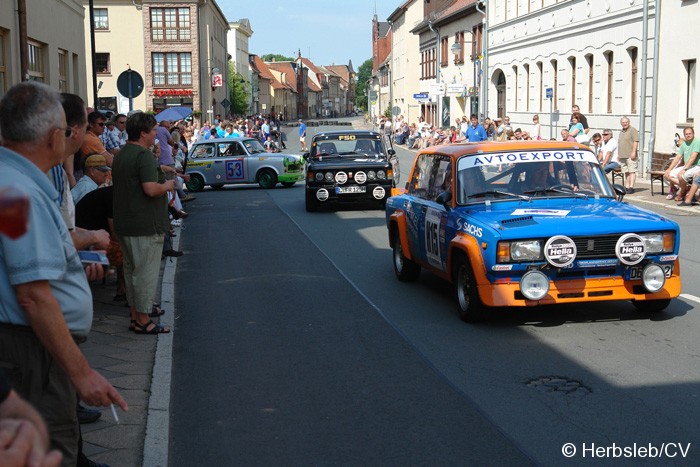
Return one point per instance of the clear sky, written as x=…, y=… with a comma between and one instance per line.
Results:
x=327, y=31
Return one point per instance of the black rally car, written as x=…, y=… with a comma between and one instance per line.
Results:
x=349, y=166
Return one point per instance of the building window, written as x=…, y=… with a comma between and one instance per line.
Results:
x=572, y=64
x=526, y=69
x=63, y=71
x=36, y=61
x=609, y=60
x=76, y=74
x=101, y=18
x=555, y=84
x=444, y=51
x=541, y=72
x=515, y=74
x=589, y=61
x=633, y=79
x=459, y=39
x=3, y=62
x=172, y=69
x=170, y=24
x=690, y=67
x=477, y=35
x=102, y=63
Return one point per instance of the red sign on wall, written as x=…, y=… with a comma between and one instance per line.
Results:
x=217, y=80
x=172, y=92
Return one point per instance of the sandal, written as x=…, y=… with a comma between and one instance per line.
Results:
x=156, y=311
x=132, y=325
x=156, y=329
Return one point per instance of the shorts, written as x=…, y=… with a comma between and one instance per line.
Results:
x=629, y=165
x=302, y=139
x=674, y=173
x=691, y=173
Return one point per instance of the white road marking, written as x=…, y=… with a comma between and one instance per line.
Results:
x=692, y=298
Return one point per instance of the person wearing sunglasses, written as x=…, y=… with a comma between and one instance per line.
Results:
x=92, y=144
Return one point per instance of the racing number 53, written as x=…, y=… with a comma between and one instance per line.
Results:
x=234, y=170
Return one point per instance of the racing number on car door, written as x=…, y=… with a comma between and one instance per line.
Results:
x=432, y=237
x=235, y=169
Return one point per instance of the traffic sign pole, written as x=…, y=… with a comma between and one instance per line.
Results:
x=550, y=95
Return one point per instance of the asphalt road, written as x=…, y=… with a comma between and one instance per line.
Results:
x=297, y=346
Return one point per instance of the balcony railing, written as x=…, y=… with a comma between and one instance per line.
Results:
x=171, y=35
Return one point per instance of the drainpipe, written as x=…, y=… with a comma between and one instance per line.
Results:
x=485, y=60
x=23, y=45
x=643, y=94
x=437, y=70
x=654, y=88
x=391, y=73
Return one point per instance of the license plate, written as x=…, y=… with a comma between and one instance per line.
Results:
x=635, y=273
x=350, y=189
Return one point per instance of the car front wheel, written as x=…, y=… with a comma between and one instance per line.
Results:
x=469, y=304
x=405, y=269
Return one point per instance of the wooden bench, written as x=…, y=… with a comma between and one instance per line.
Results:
x=659, y=164
x=617, y=172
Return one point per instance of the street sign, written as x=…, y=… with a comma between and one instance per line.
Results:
x=421, y=96
x=130, y=84
x=549, y=93
x=226, y=103
x=373, y=95
x=437, y=89
x=217, y=80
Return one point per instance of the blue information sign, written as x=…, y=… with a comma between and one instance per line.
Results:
x=420, y=95
x=549, y=93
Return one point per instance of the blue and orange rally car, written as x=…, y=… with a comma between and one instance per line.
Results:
x=529, y=223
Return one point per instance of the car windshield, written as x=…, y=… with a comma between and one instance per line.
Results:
x=253, y=146
x=529, y=175
x=347, y=145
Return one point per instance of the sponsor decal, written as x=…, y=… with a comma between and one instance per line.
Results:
x=596, y=263
x=630, y=249
x=524, y=157
x=668, y=258
x=471, y=229
x=560, y=251
x=502, y=267
x=541, y=212
x=432, y=237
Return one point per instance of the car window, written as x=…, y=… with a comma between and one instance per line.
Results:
x=440, y=177
x=202, y=151
x=534, y=174
x=231, y=149
x=420, y=180
x=253, y=146
x=349, y=145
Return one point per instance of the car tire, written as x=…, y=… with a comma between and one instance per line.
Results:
x=311, y=204
x=651, y=306
x=288, y=184
x=469, y=304
x=217, y=186
x=406, y=270
x=267, y=179
x=196, y=183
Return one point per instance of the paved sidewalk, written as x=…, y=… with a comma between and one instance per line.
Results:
x=127, y=361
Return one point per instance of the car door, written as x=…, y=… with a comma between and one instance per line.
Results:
x=434, y=215
x=234, y=162
x=417, y=206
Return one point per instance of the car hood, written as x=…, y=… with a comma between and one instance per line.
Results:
x=344, y=162
x=584, y=217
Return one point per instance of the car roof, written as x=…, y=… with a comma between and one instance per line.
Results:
x=225, y=140
x=462, y=149
x=372, y=134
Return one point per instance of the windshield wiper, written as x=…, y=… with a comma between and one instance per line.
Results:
x=499, y=192
x=563, y=189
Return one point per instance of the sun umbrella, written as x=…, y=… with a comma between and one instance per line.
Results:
x=174, y=113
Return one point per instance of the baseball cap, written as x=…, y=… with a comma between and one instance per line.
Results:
x=97, y=161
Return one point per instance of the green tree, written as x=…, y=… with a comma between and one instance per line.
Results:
x=277, y=57
x=363, y=74
x=239, y=91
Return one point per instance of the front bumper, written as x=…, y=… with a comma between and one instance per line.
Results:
x=373, y=192
x=291, y=177
x=507, y=292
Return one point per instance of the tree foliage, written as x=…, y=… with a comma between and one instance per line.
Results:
x=239, y=91
x=363, y=74
x=277, y=57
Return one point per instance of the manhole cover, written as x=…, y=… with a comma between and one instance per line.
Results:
x=559, y=385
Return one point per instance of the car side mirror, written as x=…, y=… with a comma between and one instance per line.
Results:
x=445, y=199
x=305, y=156
x=391, y=152
x=619, y=191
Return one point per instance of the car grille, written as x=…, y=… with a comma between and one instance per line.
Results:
x=596, y=247
x=293, y=167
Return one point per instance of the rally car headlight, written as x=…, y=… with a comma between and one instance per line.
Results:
x=534, y=285
x=653, y=277
x=529, y=250
x=381, y=175
x=329, y=176
x=371, y=175
x=659, y=242
x=319, y=176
